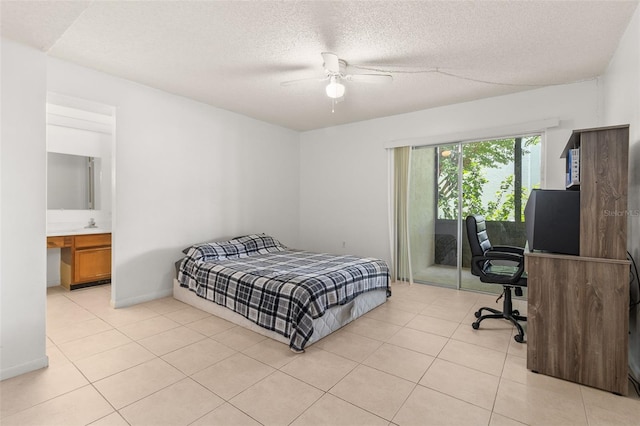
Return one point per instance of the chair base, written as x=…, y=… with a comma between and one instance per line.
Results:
x=507, y=313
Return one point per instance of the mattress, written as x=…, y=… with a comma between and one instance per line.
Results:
x=280, y=289
x=333, y=319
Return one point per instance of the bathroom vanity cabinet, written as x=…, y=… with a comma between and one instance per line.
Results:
x=84, y=259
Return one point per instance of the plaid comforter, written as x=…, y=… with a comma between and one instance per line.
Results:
x=280, y=289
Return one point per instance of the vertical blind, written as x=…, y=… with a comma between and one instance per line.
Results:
x=402, y=255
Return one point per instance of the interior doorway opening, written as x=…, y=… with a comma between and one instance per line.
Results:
x=80, y=192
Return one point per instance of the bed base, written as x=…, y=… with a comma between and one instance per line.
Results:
x=333, y=319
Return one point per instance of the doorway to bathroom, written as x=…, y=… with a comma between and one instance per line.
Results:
x=80, y=192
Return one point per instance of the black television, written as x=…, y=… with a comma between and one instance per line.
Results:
x=552, y=221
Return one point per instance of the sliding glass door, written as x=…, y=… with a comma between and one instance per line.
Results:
x=497, y=177
x=433, y=215
x=448, y=182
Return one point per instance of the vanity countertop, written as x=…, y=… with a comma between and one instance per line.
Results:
x=77, y=231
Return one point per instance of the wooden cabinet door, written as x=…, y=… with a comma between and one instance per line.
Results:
x=92, y=264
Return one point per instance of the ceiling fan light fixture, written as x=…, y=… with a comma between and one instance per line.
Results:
x=335, y=89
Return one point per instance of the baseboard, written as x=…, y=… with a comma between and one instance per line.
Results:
x=142, y=298
x=24, y=368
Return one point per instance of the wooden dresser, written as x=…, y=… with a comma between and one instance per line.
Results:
x=578, y=306
x=84, y=259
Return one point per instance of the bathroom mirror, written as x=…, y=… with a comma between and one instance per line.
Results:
x=72, y=182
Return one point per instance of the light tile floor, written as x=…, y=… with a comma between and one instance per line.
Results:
x=415, y=360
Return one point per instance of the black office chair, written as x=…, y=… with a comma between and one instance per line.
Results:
x=502, y=265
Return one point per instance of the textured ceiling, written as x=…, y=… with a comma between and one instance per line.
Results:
x=235, y=54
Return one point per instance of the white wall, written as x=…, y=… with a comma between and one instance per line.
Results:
x=185, y=172
x=189, y=172
x=622, y=106
x=22, y=210
x=344, y=168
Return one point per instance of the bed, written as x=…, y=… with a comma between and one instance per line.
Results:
x=293, y=296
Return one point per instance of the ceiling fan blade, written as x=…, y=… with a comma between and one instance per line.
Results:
x=302, y=80
x=369, y=78
x=331, y=62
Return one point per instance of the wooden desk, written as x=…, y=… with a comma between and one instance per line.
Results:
x=578, y=319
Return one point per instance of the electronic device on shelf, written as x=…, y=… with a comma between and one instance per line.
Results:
x=552, y=221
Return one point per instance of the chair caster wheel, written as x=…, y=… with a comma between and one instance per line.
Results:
x=515, y=312
x=475, y=325
x=518, y=338
x=477, y=314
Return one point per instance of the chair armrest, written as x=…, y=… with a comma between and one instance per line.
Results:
x=501, y=255
x=508, y=249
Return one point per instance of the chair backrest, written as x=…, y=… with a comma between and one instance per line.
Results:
x=478, y=238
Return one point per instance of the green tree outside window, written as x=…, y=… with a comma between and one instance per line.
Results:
x=479, y=157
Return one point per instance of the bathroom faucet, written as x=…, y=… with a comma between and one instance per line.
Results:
x=92, y=223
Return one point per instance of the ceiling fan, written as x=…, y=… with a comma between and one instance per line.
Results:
x=336, y=73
